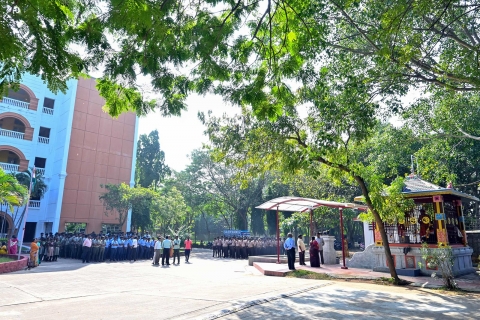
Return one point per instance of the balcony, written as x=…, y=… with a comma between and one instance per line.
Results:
x=16, y=103
x=34, y=204
x=40, y=171
x=12, y=134
x=9, y=167
x=48, y=111
x=44, y=140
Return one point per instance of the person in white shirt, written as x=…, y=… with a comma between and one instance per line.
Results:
x=87, y=246
x=176, y=249
x=134, y=249
x=157, y=249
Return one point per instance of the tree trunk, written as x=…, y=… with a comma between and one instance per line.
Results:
x=379, y=222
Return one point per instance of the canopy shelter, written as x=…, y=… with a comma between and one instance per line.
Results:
x=298, y=204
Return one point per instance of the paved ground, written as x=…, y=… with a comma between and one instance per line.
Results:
x=208, y=288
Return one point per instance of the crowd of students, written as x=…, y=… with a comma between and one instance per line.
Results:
x=243, y=247
x=106, y=247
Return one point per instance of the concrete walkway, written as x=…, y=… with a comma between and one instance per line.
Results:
x=469, y=282
x=207, y=288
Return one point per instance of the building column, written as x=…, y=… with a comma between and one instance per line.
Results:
x=23, y=165
x=377, y=237
x=442, y=238
x=28, y=135
x=461, y=220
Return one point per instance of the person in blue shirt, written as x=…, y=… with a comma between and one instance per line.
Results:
x=166, y=244
x=289, y=246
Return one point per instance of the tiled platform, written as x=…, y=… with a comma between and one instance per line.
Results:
x=469, y=282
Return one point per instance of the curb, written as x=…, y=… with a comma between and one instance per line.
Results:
x=252, y=303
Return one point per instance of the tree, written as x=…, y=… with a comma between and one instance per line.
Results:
x=150, y=168
x=328, y=138
x=141, y=200
x=38, y=188
x=12, y=192
x=117, y=201
x=244, y=50
x=169, y=210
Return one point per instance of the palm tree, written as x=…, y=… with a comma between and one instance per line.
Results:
x=39, y=188
x=12, y=193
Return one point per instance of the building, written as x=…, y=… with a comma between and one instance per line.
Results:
x=75, y=145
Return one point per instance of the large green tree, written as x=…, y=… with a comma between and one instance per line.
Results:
x=244, y=50
x=150, y=169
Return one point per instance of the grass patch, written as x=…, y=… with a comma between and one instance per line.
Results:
x=4, y=259
x=304, y=274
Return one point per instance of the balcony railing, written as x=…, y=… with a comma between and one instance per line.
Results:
x=34, y=204
x=44, y=140
x=15, y=103
x=48, y=111
x=9, y=167
x=11, y=134
x=40, y=171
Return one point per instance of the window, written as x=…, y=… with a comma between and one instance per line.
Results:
x=75, y=227
x=48, y=103
x=20, y=95
x=111, y=228
x=44, y=132
x=40, y=162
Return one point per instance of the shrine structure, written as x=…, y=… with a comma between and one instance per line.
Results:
x=436, y=219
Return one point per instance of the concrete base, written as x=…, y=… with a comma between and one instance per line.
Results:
x=462, y=261
x=409, y=272
x=273, y=259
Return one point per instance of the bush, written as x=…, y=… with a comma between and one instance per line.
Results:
x=443, y=260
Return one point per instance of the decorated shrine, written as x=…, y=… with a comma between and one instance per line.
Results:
x=436, y=219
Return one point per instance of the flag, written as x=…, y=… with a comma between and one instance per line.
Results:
x=33, y=178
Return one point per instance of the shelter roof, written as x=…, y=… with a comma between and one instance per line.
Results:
x=298, y=204
x=416, y=187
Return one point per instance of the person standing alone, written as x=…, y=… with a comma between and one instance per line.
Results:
x=289, y=246
x=301, y=250
x=188, y=248
x=166, y=250
x=176, y=249
x=87, y=246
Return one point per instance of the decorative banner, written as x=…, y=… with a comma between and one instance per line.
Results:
x=437, y=199
x=461, y=219
x=439, y=216
x=458, y=203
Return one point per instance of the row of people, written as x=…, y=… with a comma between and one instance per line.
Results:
x=242, y=247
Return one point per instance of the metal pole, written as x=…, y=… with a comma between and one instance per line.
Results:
x=343, y=242
x=278, y=240
x=311, y=223
x=26, y=214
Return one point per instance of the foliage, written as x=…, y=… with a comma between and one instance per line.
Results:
x=12, y=192
x=247, y=51
x=116, y=201
x=168, y=210
x=141, y=200
x=443, y=259
x=150, y=167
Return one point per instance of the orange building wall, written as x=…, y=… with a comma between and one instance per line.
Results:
x=100, y=152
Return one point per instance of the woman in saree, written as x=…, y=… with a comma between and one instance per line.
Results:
x=12, y=245
x=314, y=250
x=34, y=252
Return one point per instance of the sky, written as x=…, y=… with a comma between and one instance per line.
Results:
x=179, y=136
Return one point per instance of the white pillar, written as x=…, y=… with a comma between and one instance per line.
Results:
x=329, y=254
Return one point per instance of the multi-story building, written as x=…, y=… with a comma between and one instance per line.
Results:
x=75, y=145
